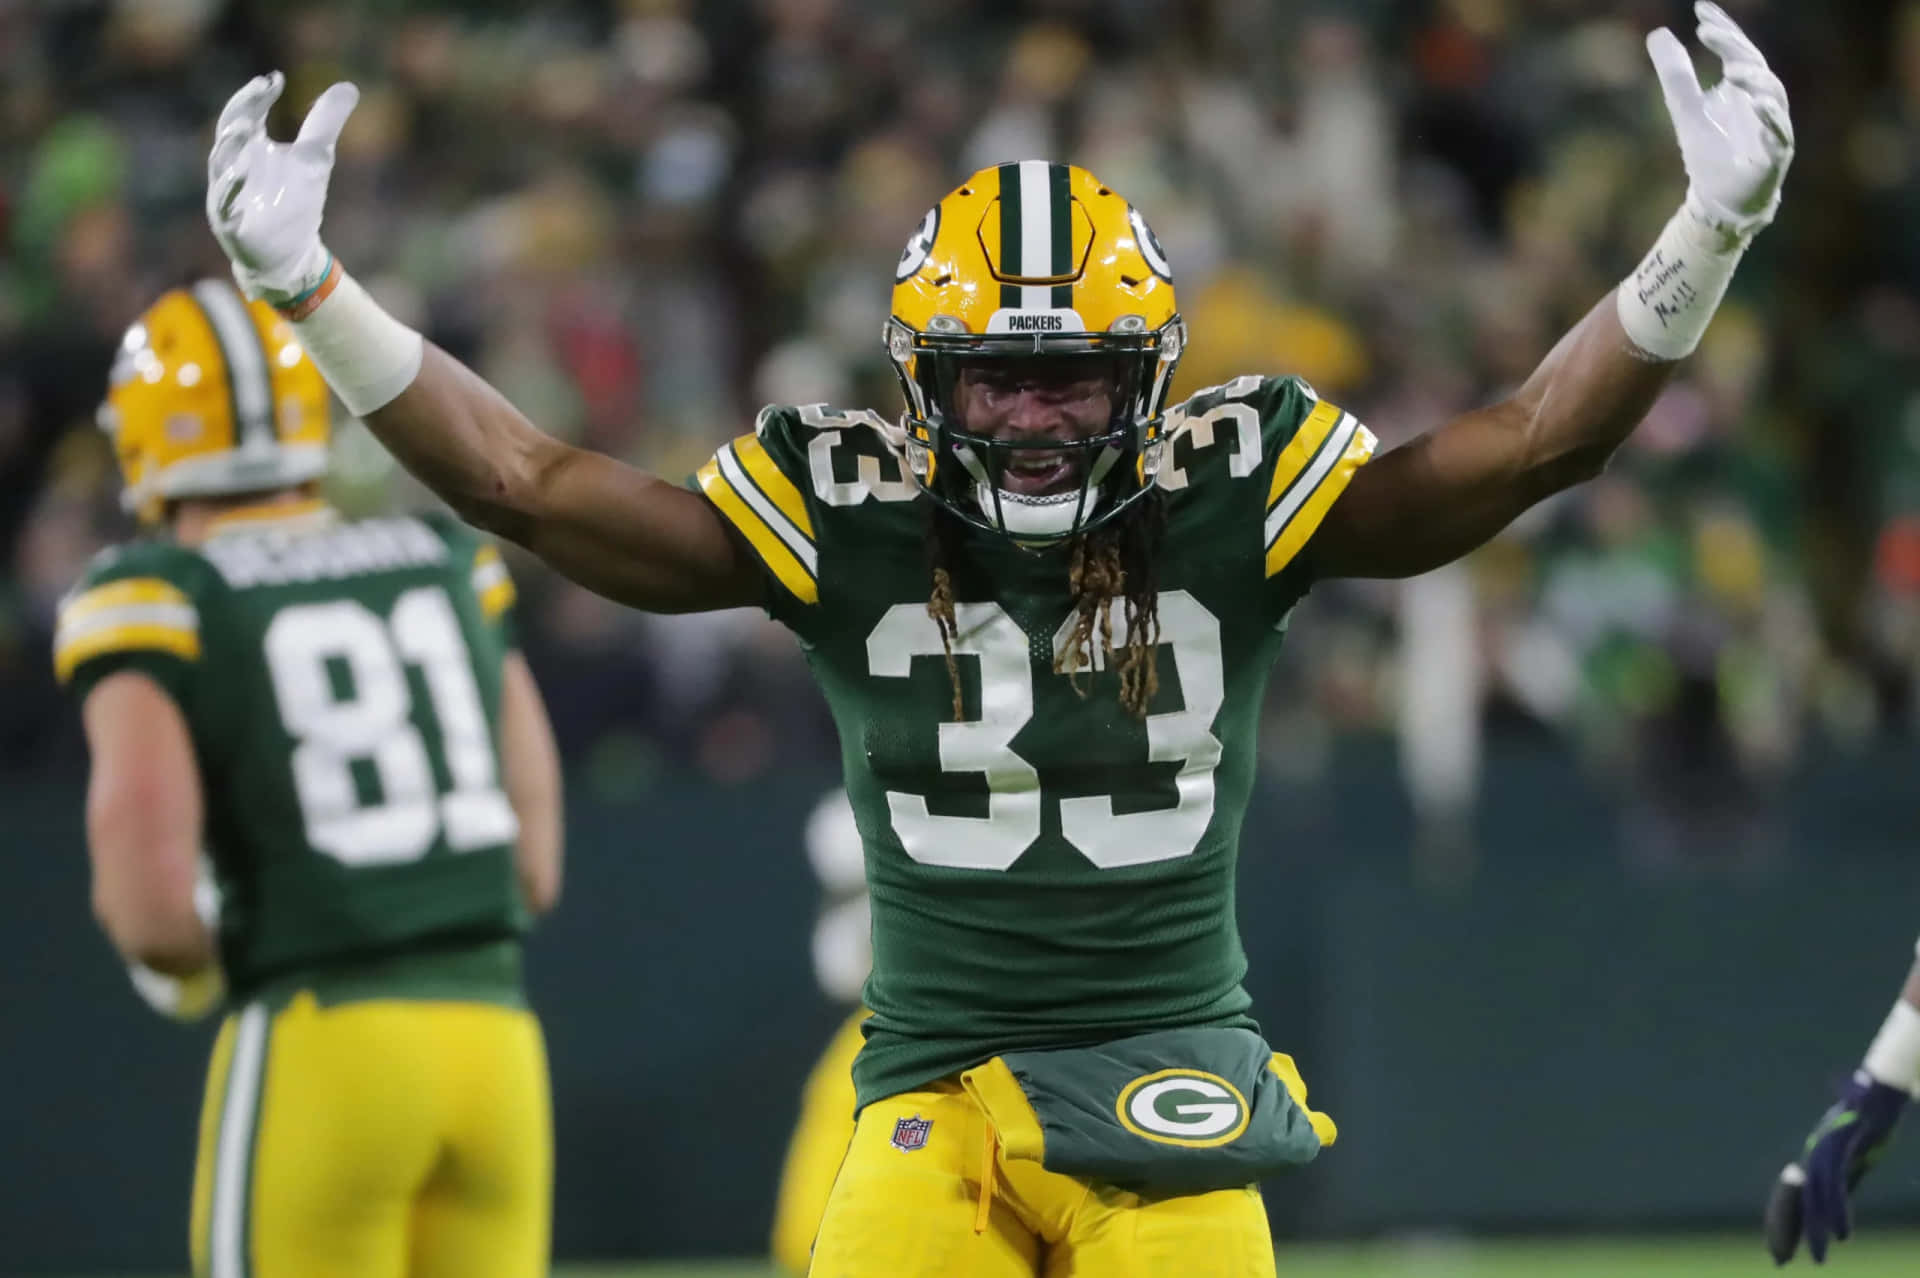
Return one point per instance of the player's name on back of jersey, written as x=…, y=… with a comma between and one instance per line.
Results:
x=373, y=545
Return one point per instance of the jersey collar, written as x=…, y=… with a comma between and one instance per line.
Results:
x=299, y=516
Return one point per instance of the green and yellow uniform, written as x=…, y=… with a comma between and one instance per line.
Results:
x=1047, y=870
x=379, y=1089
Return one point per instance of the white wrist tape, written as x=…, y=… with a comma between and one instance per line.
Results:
x=1894, y=1058
x=1668, y=301
x=366, y=355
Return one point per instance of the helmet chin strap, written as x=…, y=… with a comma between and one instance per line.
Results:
x=1026, y=516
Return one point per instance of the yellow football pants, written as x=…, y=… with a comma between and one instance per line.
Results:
x=952, y=1207
x=818, y=1145
x=379, y=1139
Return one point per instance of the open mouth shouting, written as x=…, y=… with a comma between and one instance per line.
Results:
x=1039, y=472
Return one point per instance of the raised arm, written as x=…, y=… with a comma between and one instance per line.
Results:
x=1440, y=495
x=613, y=528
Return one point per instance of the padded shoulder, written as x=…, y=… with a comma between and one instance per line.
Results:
x=804, y=484
x=1271, y=440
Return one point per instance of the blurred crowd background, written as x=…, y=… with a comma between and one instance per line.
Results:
x=644, y=218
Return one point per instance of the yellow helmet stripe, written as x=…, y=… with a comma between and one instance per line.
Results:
x=248, y=380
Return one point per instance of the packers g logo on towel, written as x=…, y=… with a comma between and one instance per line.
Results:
x=1187, y=1107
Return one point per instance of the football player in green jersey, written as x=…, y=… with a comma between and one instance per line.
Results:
x=335, y=712
x=1042, y=606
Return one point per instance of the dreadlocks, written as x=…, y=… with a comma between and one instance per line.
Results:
x=1114, y=561
x=942, y=549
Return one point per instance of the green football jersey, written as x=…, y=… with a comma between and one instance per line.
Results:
x=341, y=681
x=1048, y=869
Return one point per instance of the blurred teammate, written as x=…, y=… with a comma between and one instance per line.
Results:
x=335, y=712
x=1812, y=1192
x=1042, y=607
x=842, y=957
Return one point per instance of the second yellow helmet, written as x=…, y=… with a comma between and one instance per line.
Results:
x=211, y=395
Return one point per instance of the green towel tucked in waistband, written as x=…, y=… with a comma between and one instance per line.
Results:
x=1174, y=1112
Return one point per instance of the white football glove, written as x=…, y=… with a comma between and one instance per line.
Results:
x=1735, y=138
x=265, y=198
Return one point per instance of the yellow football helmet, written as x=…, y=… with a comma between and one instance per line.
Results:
x=211, y=395
x=1029, y=259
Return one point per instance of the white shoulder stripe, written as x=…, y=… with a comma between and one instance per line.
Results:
x=173, y=616
x=1331, y=452
x=738, y=479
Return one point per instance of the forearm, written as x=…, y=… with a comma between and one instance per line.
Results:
x=143, y=893
x=1597, y=383
x=531, y=762
x=171, y=949
x=455, y=433
x=537, y=855
x=153, y=924
x=1444, y=493
x=1894, y=1056
x=1579, y=405
x=616, y=530
x=145, y=824
x=461, y=438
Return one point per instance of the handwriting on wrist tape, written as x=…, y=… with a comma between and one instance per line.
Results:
x=1662, y=287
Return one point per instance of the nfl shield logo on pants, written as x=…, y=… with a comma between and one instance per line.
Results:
x=910, y=1134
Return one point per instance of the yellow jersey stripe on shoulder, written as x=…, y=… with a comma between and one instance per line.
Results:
x=70, y=652
x=497, y=598
x=773, y=482
x=114, y=594
x=1350, y=449
x=773, y=552
x=799, y=543
x=492, y=583
x=1300, y=451
x=132, y=614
